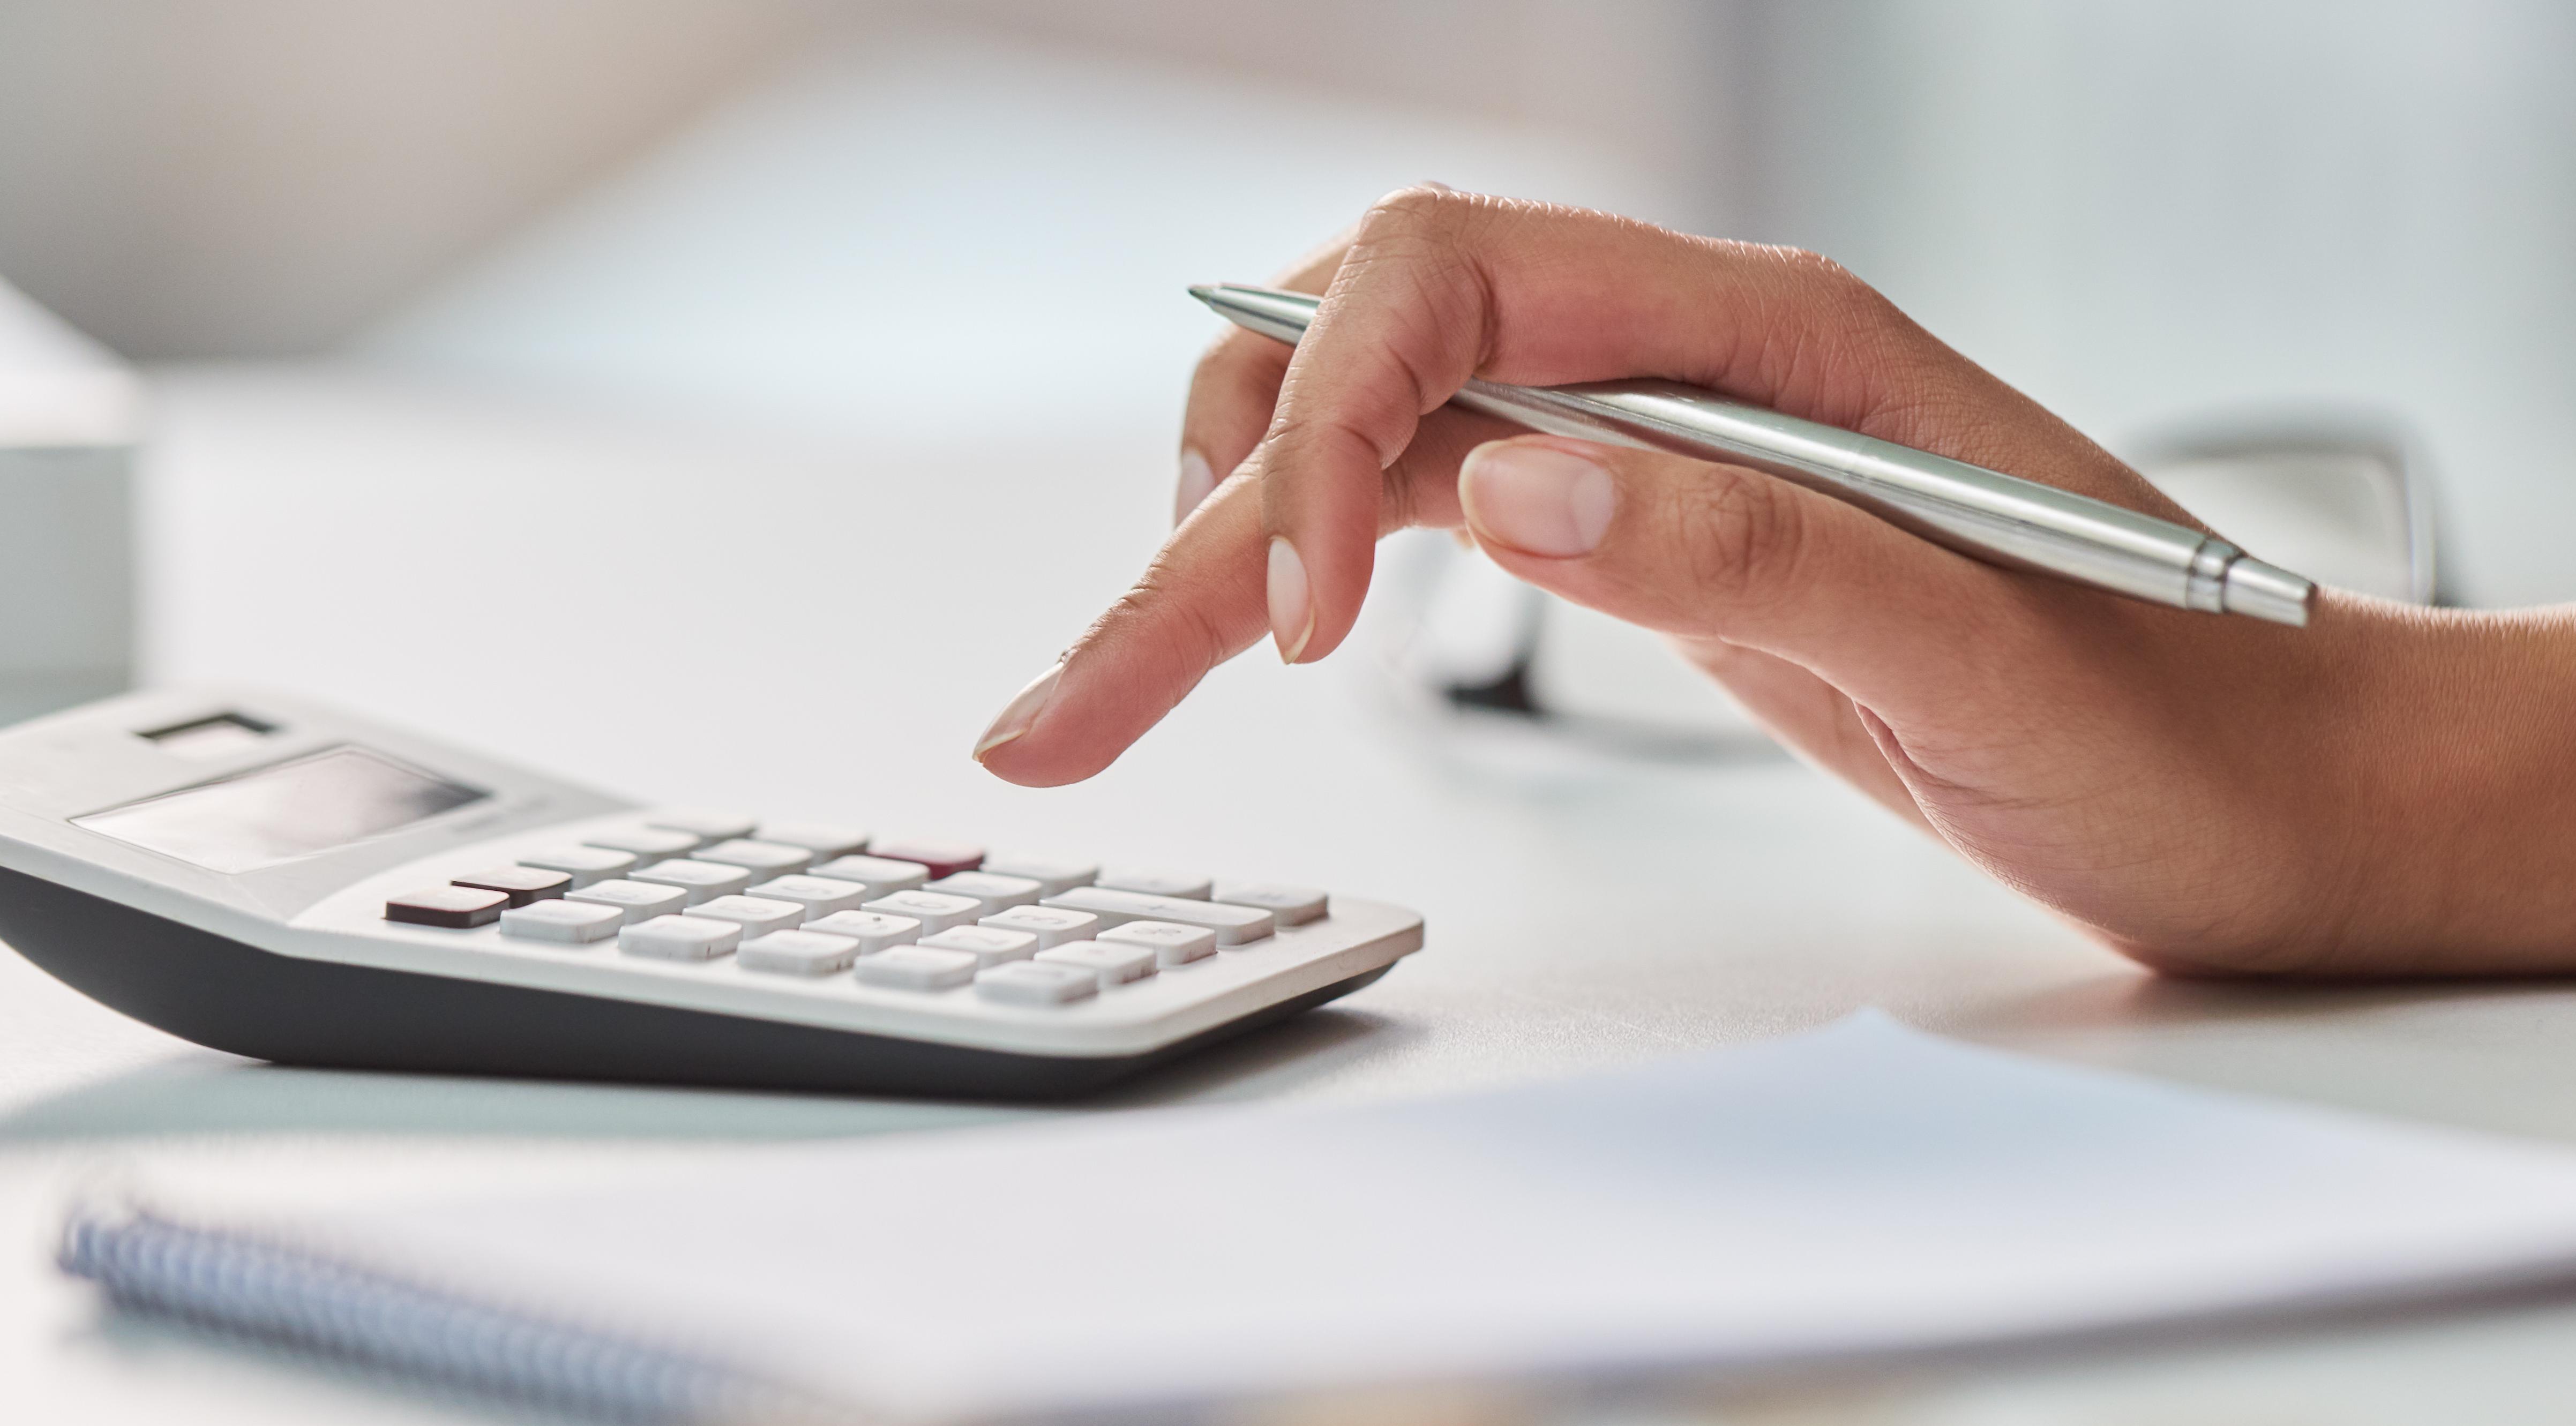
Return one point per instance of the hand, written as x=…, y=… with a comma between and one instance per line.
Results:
x=2382, y=792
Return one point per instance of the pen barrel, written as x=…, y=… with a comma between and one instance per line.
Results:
x=1984, y=514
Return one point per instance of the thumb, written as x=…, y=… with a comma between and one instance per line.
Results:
x=1720, y=552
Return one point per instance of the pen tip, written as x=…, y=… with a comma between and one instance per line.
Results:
x=1204, y=291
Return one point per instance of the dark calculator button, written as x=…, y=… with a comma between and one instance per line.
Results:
x=523, y=883
x=455, y=907
x=942, y=858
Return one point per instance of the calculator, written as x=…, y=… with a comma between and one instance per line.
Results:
x=273, y=878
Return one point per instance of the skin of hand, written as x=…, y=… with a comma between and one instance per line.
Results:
x=2385, y=792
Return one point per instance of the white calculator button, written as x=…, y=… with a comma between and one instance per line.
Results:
x=1154, y=883
x=585, y=865
x=1114, y=964
x=824, y=840
x=912, y=968
x=1028, y=983
x=1233, y=925
x=762, y=859
x=756, y=915
x=943, y=858
x=1293, y=905
x=571, y=922
x=989, y=947
x=996, y=893
x=640, y=901
x=819, y=895
x=704, y=881
x=879, y=875
x=1052, y=874
x=935, y=912
x=1051, y=925
x=1171, y=943
x=797, y=953
x=646, y=844
x=704, y=825
x=680, y=938
x=873, y=932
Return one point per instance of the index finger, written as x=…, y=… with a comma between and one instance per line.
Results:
x=1199, y=604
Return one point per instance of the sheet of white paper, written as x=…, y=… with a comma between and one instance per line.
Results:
x=1857, y=1189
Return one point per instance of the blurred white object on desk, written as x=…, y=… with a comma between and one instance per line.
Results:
x=2347, y=498
x=69, y=421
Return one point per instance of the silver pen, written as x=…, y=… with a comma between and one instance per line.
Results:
x=1984, y=514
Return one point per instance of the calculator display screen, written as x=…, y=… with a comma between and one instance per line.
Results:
x=277, y=814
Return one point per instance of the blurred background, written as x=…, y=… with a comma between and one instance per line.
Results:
x=635, y=314
x=734, y=402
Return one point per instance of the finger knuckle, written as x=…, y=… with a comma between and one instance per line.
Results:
x=1414, y=207
x=1743, y=539
x=1174, y=629
x=1430, y=229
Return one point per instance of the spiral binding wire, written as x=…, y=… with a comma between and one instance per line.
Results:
x=307, y=1300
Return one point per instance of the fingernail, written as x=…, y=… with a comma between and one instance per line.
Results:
x=1292, y=613
x=1539, y=500
x=1021, y=713
x=1197, y=479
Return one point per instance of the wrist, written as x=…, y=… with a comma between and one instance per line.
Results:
x=2456, y=852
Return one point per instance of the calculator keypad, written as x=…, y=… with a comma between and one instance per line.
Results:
x=811, y=901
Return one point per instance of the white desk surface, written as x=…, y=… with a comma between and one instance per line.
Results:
x=506, y=574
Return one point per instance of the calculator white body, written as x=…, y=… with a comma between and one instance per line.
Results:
x=292, y=958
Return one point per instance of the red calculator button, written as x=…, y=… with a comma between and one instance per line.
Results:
x=454, y=907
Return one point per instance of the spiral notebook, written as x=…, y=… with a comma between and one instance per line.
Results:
x=1859, y=1190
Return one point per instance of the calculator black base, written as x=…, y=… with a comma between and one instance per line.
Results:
x=238, y=998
